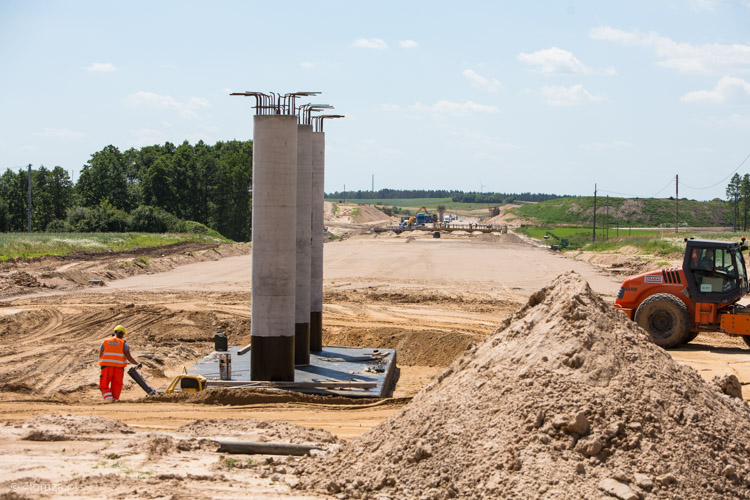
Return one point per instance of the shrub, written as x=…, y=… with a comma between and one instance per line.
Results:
x=104, y=218
x=58, y=226
x=152, y=220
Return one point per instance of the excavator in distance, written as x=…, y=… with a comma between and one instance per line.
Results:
x=673, y=305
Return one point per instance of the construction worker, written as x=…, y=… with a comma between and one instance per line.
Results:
x=114, y=355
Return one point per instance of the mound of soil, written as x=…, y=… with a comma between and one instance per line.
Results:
x=424, y=347
x=80, y=269
x=258, y=430
x=51, y=425
x=567, y=399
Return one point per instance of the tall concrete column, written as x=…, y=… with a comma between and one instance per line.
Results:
x=304, y=245
x=273, y=251
x=316, y=290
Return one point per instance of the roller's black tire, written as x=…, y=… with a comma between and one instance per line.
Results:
x=746, y=338
x=665, y=318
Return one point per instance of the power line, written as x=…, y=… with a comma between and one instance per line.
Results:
x=723, y=180
x=662, y=189
x=631, y=195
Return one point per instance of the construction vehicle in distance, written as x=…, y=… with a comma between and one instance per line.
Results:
x=407, y=222
x=673, y=305
x=563, y=241
x=424, y=216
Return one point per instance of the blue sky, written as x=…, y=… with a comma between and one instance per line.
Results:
x=496, y=96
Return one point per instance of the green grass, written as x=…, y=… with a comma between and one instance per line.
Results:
x=429, y=203
x=652, y=241
x=24, y=245
x=628, y=212
x=355, y=212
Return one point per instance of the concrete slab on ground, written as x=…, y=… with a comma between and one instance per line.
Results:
x=361, y=372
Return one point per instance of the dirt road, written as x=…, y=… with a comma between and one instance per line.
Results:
x=428, y=298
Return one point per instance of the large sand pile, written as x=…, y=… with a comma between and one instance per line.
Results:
x=568, y=399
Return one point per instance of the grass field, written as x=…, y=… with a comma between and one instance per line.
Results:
x=415, y=203
x=657, y=242
x=37, y=244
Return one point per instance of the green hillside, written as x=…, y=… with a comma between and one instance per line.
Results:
x=628, y=212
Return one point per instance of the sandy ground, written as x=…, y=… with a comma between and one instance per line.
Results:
x=428, y=298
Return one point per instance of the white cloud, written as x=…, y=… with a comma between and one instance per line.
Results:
x=152, y=100
x=605, y=146
x=555, y=61
x=683, y=57
x=568, y=96
x=408, y=44
x=101, y=68
x=477, y=80
x=728, y=89
x=62, y=133
x=454, y=108
x=371, y=43
x=307, y=64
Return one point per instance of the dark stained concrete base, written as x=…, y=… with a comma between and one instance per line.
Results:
x=332, y=364
x=316, y=331
x=272, y=358
x=301, y=343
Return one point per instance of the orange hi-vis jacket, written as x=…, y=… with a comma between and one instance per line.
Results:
x=113, y=353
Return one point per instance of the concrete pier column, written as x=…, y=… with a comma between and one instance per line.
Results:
x=316, y=290
x=304, y=245
x=273, y=251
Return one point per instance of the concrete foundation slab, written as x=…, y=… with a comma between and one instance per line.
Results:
x=342, y=371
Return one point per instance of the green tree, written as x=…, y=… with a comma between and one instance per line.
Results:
x=105, y=177
x=13, y=191
x=745, y=197
x=157, y=185
x=733, y=193
x=62, y=191
x=42, y=202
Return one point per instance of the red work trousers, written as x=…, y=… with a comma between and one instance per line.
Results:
x=110, y=382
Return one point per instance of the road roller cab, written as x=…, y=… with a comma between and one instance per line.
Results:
x=674, y=304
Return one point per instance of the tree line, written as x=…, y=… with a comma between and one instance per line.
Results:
x=156, y=188
x=456, y=196
x=738, y=193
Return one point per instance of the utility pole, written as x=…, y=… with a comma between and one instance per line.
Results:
x=373, y=184
x=29, y=203
x=593, y=236
x=676, y=202
x=606, y=219
x=344, y=193
x=735, y=212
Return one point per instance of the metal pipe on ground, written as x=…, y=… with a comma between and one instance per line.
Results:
x=303, y=246
x=273, y=251
x=253, y=448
